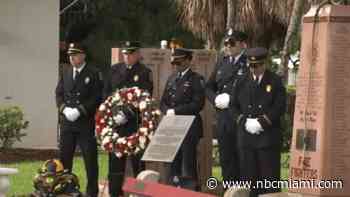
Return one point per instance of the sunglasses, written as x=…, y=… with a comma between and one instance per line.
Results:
x=255, y=65
x=230, y=42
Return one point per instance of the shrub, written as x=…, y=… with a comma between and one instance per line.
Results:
x=12, y=124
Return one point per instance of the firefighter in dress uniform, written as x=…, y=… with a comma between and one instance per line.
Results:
x=259, y=102
x=130, y=73
x=78, y=94
x=228, y=69
x=184, y=94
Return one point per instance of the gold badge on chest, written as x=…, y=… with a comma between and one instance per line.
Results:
x=268, y=88
x=136, y=78
x=87, y=80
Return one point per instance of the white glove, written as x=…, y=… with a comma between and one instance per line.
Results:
x=67, y=112
x=257, y=126
x=222, y=101
x=249, y=126
x=170, y=112
x=120, y=118
x=253, y=126
x=75, y=114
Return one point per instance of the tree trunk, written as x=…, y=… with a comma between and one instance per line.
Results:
x=230, y=14
x=294, y=23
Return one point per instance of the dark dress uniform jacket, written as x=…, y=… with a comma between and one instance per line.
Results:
x=224, y=75
x=83, y=93
x=122, y=77
x=265, y=101
x=186, y=96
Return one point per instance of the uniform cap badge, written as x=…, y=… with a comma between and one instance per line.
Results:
x=268, y=88
x=230, y=32
x=136, y=78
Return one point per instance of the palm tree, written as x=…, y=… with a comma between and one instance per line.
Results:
x=204, y=18
x=265, y=21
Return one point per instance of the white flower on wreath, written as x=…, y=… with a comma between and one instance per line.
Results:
x=129, y=144
x=143, y=105
x=104, y=131
x=129, y=96
x=142, y=140
x=116, y=97
x=158, y=112
x=121, y=140
x=138, y=92
x=115, y=136
x=137, y=149
x=102, y=107
x=118, y=154
x=106, y=140
x=143, y=130
x=150, y=124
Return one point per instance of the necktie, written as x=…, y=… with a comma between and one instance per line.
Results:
x=232, y=59
x=76, y=75
x=256, y=81
x=178, y=77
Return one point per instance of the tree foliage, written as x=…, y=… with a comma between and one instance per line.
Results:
x=12, y=124
x=102, y=24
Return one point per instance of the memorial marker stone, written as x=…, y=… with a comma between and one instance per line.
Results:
x=168, y=138
x=321, y=130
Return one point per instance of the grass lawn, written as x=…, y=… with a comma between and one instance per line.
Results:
x=22, y=182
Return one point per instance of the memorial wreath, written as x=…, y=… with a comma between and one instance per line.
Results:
x=108, y=130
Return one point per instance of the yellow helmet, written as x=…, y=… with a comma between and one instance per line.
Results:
x=52, y=166
x=53, y=179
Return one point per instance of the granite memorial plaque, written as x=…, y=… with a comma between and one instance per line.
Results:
x=168, y=138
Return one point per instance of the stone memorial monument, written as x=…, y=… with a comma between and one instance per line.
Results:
x=321, y=130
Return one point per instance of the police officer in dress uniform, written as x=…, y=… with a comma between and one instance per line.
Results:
x=78, y=94
x=128, y=74
x=184, y=94
x=259, y=102
x=228, y=69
